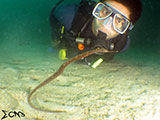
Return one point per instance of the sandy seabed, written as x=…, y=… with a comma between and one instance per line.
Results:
x=115, y=90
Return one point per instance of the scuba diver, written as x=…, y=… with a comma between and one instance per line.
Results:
x=77, y=28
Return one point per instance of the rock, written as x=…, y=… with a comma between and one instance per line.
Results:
x=35, y=77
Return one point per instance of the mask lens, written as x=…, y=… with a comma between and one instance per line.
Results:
x=120, y=23
x=101, y=11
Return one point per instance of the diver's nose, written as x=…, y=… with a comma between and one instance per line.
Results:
x=108, y=22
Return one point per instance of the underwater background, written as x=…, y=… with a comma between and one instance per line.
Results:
x=125, y=88
x=25, y=26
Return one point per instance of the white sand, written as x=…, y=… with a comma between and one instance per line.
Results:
x=116, y=90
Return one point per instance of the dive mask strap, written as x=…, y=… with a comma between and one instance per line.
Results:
x=131, y=26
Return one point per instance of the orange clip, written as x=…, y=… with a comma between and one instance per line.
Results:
x=80, y=46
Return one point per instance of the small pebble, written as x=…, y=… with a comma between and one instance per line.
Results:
x=35, y=77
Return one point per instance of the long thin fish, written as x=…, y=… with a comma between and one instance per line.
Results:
x=59, y=72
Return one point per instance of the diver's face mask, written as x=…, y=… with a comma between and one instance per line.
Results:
x=103, y=11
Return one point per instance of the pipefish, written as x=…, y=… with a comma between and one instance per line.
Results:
x=59, y=72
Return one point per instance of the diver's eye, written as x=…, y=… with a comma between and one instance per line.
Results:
x=119, y=20
x=105, y=12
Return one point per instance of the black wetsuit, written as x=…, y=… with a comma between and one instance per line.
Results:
x=77, y=22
